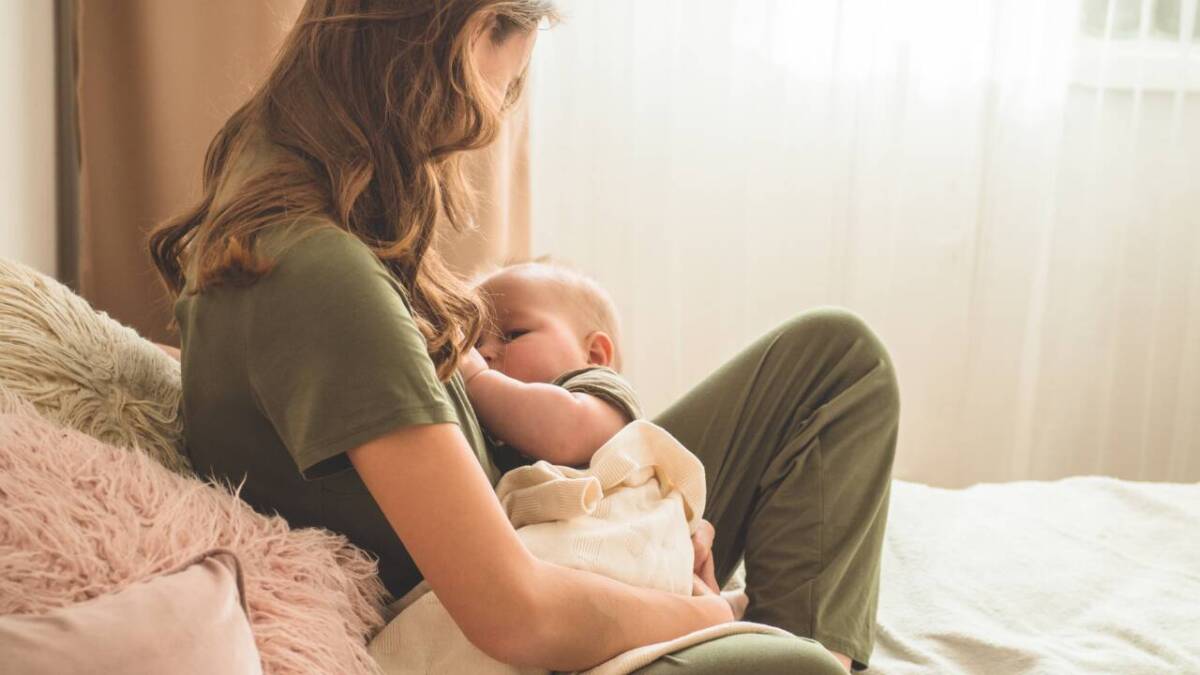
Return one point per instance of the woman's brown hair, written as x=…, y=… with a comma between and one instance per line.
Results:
x=374, y=102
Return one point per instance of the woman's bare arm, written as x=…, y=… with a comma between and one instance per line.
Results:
x=514, y=607
x=171, y=351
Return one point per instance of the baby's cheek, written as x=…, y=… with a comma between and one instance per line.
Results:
x=528, y=365
x=511, y=364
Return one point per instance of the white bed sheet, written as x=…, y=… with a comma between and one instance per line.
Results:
x=1082, y=575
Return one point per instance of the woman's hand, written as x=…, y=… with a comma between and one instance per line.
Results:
x=704, y=578
x=720, y=612
x=703, y=567
x=471, y=364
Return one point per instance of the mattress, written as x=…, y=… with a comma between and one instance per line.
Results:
x=1082, y=575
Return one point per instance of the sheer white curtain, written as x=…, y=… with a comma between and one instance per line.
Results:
x=1007, y=191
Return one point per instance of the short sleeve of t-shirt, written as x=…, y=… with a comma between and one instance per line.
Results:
x=605, y=384
x=334, y=357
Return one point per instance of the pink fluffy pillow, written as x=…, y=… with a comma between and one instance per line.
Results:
x=80, y=519
x=189, y=621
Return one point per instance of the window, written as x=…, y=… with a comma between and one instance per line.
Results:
x=1139, y=44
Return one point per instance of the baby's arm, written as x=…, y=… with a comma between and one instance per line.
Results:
x=543, y=421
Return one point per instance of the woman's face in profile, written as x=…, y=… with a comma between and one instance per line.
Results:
x=501, y=64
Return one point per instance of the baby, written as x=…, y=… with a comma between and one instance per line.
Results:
x=544, y=381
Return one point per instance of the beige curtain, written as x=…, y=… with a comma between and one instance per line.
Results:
x=157, y=79
x=500, y=177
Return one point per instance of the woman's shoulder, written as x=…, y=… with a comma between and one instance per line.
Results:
x=316, y=271
x=313, y=240
x=318, y=256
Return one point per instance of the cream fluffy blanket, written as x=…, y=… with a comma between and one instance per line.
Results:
x=629, y=515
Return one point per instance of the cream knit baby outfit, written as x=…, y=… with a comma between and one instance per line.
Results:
x=629, y=516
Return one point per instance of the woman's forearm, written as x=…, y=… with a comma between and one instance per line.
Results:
x=542, y=420
x=582, y=619
x=171, y=351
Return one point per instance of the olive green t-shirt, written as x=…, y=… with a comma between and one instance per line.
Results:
x=319, y=356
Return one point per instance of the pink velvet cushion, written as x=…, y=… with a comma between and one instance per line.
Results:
x=81, y=519
x=189, y=620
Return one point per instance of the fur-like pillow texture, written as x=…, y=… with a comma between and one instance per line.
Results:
x=84, y=370
x=80, y=518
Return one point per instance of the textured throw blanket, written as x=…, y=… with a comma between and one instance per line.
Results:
x=1083, y=575
x=629, y=515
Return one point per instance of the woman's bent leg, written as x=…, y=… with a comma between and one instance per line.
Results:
x=797, y=435
x=748, y=653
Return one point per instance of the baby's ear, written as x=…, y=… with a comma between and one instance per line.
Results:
x=599, y=347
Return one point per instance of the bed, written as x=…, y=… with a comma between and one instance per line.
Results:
x=1081, y=575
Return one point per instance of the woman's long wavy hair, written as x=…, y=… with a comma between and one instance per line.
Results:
x=374, y=100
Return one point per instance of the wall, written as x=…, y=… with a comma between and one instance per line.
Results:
x=27, y=164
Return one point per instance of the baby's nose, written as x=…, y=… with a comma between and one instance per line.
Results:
x=488, y=350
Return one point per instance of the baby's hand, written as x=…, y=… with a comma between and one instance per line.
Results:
x=471, y=364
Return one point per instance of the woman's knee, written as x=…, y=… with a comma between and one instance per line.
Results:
x=836, y=326
x=827, y=324
x=849, y=337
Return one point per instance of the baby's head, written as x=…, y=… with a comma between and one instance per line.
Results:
x=548, y=320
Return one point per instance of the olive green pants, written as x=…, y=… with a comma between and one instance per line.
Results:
x=797, y=435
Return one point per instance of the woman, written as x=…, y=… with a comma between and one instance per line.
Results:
x=322, y=338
